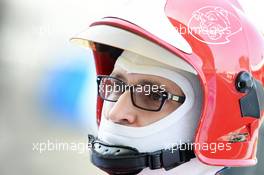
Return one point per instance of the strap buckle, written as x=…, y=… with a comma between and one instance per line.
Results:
x=172, y=158
x=154, y=160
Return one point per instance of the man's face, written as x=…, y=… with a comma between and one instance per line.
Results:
x=125, y=113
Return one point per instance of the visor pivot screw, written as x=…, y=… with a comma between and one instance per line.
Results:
x=244, y=82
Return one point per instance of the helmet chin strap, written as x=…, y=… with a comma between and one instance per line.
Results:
x=118, y=159
x=124, y=160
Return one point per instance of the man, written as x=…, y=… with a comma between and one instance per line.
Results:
x=172, y=102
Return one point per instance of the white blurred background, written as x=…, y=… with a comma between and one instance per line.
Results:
x=47, y=85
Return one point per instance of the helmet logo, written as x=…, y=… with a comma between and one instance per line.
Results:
x=213, y=25
x=235, y=137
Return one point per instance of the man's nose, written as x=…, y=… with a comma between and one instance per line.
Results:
x=123, y=111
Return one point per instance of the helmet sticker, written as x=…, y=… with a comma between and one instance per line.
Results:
x=213, y=25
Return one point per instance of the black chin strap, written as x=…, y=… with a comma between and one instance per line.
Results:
x=117, y=159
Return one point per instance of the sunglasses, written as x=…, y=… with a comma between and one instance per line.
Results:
x=146, y=97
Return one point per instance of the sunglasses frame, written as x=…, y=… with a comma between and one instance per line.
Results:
x=165, y=95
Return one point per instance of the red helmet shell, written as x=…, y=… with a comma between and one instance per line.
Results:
x=224, y=43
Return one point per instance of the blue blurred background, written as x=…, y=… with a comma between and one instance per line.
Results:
x=47, y=85
x=68, y=88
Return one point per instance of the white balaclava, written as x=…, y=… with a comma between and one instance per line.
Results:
x=176, y=128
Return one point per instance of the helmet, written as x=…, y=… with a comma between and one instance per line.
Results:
x=219, y=44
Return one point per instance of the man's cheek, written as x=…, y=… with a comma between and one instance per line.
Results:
x=106, y=108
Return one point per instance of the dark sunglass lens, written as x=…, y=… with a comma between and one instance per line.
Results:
x=147, y=100
x=110, y=88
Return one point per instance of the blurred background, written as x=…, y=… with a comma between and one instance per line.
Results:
x=47, y=85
